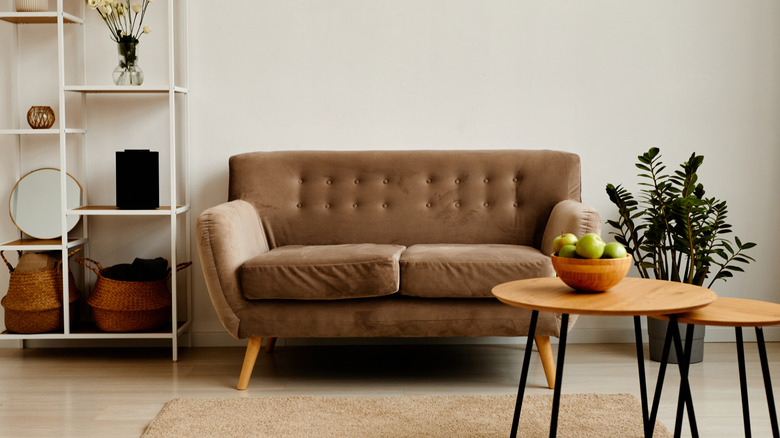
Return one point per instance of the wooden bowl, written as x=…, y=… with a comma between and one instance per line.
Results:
x=591, y=275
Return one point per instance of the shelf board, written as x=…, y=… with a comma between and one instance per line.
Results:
x=29, y=131
x=40, y=244
x=89, y=331
x=123, y=89
x=112, y=210
x=39, y=18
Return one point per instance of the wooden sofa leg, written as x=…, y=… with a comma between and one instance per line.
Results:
x=269, y=346
x=545, y=353
x=252, y=348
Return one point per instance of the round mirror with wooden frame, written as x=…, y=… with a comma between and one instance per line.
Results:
x=35, y=201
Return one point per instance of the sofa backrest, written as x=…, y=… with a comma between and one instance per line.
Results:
x=405, y=197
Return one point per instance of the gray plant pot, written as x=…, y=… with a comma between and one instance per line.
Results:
x=656, y=330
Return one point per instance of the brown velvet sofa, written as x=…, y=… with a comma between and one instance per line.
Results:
x=386, y=243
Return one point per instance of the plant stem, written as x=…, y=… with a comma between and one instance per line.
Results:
x=662, y=264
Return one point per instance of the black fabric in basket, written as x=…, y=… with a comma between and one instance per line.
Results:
x=139, y=270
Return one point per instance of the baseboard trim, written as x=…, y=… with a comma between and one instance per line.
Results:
x=576, y=336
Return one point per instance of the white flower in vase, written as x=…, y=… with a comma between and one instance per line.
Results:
x=125, y=26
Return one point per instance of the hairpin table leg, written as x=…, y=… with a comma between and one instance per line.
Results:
x=770, y=398
x=529, y=346
x=559, y=376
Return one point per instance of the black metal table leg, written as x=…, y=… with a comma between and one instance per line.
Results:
x=770, y=398
x=559, y=375
x=743, y=381
x=640, y=358
x=529, y=346
x=688, y=352
x=659, y=385
x=683, y=356
x=682, y=397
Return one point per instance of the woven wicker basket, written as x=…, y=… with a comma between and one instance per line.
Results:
x=129, y=306
x=34, y=300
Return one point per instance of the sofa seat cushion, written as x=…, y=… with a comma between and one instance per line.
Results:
x=323, y=272
x=467, y=271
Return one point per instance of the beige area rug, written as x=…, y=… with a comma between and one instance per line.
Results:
x=581, y=415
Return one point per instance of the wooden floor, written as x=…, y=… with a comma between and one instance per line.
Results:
x=116, y=392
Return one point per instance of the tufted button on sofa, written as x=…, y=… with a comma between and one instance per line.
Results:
x=387, y=243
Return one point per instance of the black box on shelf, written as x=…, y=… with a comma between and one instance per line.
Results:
x=137, y=179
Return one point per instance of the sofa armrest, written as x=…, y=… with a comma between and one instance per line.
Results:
x=228, y=235
x=570, y=217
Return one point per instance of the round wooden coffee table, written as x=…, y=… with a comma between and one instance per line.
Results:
x=738, y=313
x=631, y=297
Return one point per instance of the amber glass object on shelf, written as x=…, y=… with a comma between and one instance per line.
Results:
x=40, y=117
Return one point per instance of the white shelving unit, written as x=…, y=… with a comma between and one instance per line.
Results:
x=178, y=156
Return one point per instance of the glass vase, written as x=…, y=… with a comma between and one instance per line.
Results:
x=128, y=72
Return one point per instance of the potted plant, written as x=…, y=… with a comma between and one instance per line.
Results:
x=676, y=233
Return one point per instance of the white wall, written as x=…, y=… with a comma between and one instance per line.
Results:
x=604, y=79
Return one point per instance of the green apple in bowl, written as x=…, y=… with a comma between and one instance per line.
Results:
x=563, y=240
x=590, y=246
x=568, y=251
x=614, y=250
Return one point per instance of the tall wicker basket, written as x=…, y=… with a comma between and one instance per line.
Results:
x=33, y=303
x=129, y=306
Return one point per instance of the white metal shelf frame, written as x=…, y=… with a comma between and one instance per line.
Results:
x=182, y=206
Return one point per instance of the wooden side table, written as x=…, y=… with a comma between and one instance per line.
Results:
x=631, y=297
x=738, y=313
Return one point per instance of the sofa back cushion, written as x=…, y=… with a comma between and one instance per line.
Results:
x=405, y=197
